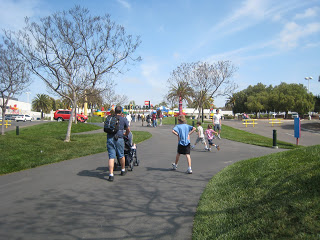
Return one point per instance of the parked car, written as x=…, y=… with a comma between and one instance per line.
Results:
x=11, y=116
x=62, y=114
x=23, y=118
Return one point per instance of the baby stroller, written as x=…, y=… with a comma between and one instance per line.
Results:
x=130, y=154
x=149, y=121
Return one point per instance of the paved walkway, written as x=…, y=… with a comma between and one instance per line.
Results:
x=73, y=200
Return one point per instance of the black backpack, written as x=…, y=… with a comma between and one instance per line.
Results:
x=111, y=124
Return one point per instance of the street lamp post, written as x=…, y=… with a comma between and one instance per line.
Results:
x=308, y=78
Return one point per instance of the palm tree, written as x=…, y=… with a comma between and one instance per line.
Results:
x=231, y=102
x=183, y=91
x=201, y=102
x=42, y=103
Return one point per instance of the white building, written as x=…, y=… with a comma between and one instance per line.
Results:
x=16, y=106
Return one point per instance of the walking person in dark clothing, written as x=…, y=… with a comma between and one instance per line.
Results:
x=115, y=144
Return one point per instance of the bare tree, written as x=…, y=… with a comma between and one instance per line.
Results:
x=14, y=75
x=201, y=81
x=111, y=98
x=74, y=52
x=211, y=80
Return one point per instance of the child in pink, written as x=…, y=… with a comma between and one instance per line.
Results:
x=210, y=136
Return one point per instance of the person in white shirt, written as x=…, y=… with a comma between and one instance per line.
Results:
x=200, y=137
x=129, y=119
x=216, y=121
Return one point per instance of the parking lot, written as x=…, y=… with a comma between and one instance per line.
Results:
x=310, y=130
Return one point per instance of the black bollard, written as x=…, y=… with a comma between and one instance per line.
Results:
x=17, y=130
x=275, y=139
x=175, y=121
x=193, y=123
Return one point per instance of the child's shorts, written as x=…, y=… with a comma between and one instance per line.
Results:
x=202, y=140
x=210, y=142
x=184, y=149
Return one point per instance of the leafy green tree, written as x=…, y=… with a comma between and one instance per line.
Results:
x=163, y=103
x=317, y=104
x=292, y=97
x=230, y=103
x=239, y=99
x=258, y=98
x=42, y=103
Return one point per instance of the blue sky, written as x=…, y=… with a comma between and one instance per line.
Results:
x=270, y=41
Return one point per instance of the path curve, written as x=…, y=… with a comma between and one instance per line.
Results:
x=73, y=199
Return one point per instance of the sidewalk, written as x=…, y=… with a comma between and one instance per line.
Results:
x=73, y=199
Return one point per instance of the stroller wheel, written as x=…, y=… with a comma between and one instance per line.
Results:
x=136, y=161
x=130, y=167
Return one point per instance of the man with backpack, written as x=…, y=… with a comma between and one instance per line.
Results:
x=115, y=126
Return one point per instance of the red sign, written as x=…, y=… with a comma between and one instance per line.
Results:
x=146, y=103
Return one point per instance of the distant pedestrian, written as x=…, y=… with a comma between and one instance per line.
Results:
x=154, y=120
x=200, y=137
x=159, y=116
x=148, y=118
x=183, y=131
x=210, y=136
x=129, y=118
x=142, y=119
x=216, y=121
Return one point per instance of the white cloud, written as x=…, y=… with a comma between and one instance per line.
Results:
x=310, y=12
x=124, y=4
x=132, y=80
x=293, y=33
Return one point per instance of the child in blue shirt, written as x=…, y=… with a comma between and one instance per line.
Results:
x=183, y=131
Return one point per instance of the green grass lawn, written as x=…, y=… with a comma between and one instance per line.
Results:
x=43, y=144
x=272, y=197
x=240, y=135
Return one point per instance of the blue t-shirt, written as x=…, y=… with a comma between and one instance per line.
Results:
x=183, y=132
x=123, y=124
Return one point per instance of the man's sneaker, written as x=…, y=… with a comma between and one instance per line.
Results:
x=209, y=149
x=174, y=166
x=110, y=179
x=206, y=148
x=192, y=146
x=189, y=171
x=123, y=173
x=218, y=147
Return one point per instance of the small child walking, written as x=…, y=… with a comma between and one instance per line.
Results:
x=210, y=136
x=183, y=131
x=200, y=137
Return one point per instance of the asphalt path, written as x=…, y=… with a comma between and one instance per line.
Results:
x=73, y=200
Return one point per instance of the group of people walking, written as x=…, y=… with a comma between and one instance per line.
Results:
x=115, y=141
x=183, y=132
x=151, y=120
